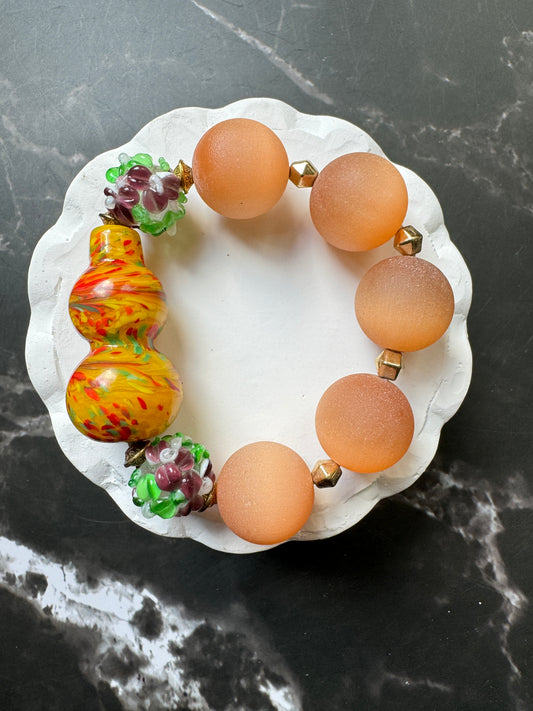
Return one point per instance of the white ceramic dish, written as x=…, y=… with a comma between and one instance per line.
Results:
x=261, y=321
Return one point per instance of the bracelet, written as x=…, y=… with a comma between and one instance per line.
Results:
x=125, y=390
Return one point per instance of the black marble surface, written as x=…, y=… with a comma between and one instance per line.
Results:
x=426, y=603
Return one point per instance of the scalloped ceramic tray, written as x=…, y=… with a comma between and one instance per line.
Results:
x=261, y=321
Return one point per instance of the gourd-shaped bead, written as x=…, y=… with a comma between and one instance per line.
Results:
x=124, y=390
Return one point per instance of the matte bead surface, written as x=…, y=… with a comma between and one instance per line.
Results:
x=358, y=201
x=240, y=168
x=364, y=423
x=265, y=492
x=404, y=303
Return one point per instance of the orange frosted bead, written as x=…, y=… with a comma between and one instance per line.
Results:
x=364, y=423
x=404, y=303
x=240, y=168
x=265, y=492
x=358, y=201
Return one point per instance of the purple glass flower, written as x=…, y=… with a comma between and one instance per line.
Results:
x=175, y=474
x=140, y=185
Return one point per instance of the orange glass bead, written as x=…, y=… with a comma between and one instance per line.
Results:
x=364, y=423
x=240, y=168
x=358, y=201
x=125, y=389
x=265, y=493
x=404, y=303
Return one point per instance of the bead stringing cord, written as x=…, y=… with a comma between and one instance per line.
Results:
x=125, y=390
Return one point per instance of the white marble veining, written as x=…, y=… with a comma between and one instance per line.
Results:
x=447, y=88
x=480, y=526
x=303, y=83
x=126, y=626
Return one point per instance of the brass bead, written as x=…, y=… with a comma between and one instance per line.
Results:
x=108, y=219
x=326, y=473
x=303, y=174
x=210, y=499
x=408, y=241
x=389, y=363
x=184, y=173
x=134, y=455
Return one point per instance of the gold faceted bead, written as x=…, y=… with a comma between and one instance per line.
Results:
x=184, y=173
x=389, y=363
x=303, y=174
x=108, y=219
x=134, y=455
x=408, y=241
x=326, y=473
x=210, y=499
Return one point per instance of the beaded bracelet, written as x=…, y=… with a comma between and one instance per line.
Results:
x=125, y=390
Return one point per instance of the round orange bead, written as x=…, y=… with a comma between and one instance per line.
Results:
x=364, y=423
x=404, y=303
x=265, y=493
x=240, y=168
x=358, y=201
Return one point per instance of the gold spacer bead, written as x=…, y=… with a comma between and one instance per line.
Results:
x=326, y=473
x=134, y=456
x=108, y=219
x=184, y=173
x=210, y=499
x=408, y=241
x=303, y=174
x=389, y=363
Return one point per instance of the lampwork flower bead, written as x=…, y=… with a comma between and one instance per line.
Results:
x=175, y=478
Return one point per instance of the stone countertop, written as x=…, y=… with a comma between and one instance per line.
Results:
x=425, y=603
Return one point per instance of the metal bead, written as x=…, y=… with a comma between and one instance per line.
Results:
x=184, y=173
x=210, y=499
x=408, y=241
x=326, y=473
x=389, y=363
x=108, y=219
x=303, y=174
x=134, y=455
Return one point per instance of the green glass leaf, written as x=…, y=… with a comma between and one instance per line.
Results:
x=169, y=219
x=142, y=488
x=165, y=509
x=164, y=165
x=137, y=501
x=153, y=227
x=182, y=198
x=140, y=213
x=112, y=175
x=143, y=159
x=137, y=473
x=199, y=452
x=153, y=490
x=178, y=497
